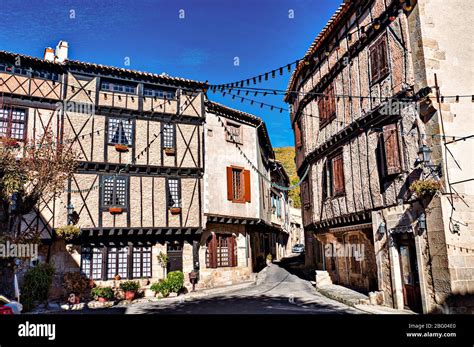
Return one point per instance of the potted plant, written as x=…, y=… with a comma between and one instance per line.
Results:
x=425, y=188
x=269, y=259
x=130, y=289
x=68, y=232
x=103, y=294
x=121, y=147
x=175, y=210
x=115, y=210
x=10, y=143
x=175, y=280
x=170, y=151
x=163, y=261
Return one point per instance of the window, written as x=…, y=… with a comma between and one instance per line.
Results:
x=174, y=199
x=391, y=150
x=4, y=67
x=327, y=106
x=91, y=262
x=159, y=93
x=168, y=136
x=221, y=251
x=276, y=204
x=238, y=184
x=120, y=131
x=141, y=262
x=117, y=262
x=114, y=191
x=12, y=123
x=378, y=60
x=118, y=87
x=333, y=177
x=233, y=133
x=354, y=258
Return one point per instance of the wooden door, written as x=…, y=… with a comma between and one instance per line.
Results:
x=409, y=272
x=175, y=255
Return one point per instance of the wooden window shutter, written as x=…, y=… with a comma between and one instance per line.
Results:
x=392, y=150
x=298, y=135
x=232, y=251
x=305, y=193
x=321, y=108
x=374, y=63
x=324, y=181
x=383, y=59
x=230, y=193
x=331, y=102
x=338, y=175
x=212, y=251
x=247, y=193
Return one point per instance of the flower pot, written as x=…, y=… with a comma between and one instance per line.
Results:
x=130, y=295
x=115, y=210
x=121, y=148
x=175, y=210
x=170, y=151
x=101, y=299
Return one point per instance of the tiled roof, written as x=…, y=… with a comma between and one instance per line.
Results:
x=106, y=68
x=213, y=106
x=332, y=22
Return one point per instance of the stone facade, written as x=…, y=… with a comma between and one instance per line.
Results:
x=425, y=267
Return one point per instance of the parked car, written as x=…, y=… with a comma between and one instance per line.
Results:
x=298, y=248
x=8, y=306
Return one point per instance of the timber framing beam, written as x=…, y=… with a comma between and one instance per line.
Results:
x=138, y=170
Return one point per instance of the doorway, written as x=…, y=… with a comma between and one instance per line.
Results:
x=409, y=272
x=174, y=249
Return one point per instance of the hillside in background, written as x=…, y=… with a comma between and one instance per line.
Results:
x=286, y=155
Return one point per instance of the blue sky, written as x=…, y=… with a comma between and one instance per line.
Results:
x=201, y=46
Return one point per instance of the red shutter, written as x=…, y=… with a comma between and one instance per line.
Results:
x=230, y=194
x=374, y=62
x=338, y=175
x=331, y=102
x=392, y=149
x=298, y=135
x=322, y=110
x=232, y=251
x=247, y=193
x=383, y=59
x=212, y=252
x=305, y=193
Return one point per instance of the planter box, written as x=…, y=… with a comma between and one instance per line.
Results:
x=115, y=210
x=170, y=151
x=121, y=148
x=175, y=210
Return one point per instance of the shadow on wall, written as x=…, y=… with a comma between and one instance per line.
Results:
x=457, y=304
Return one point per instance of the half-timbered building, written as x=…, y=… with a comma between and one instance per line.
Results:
x=138, y=186
x=367, y=107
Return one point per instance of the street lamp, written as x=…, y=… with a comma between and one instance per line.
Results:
x=422, y=222
x=382, y=228
x=424, y=152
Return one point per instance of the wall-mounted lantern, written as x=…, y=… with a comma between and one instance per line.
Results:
x=422, y=222
x=424, y=153
x=70, y=211
x=382, y=228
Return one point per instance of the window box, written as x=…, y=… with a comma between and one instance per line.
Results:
x=115, y=210
x=175, y=210
x=121, y=148
x=170, y=151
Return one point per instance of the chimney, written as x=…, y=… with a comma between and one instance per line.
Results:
x=49, y=54
x=61, y=51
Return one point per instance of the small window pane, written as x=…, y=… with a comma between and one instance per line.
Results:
x=120, y=131
x=168, y=136
x=173, y=193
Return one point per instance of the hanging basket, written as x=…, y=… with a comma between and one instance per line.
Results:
x=175, y=210
x=170, y=151
x=115, y=210
x=121, y=148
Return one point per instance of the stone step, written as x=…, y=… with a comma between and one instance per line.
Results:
x=322, y=278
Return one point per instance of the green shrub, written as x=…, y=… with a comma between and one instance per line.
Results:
x=130, y=286
x=425, y=187
x=162, y=286
x=176, y=281
x=75, y=282
x=36, y=284
x=103, y=292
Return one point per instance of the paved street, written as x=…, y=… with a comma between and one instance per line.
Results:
x=277, y=291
